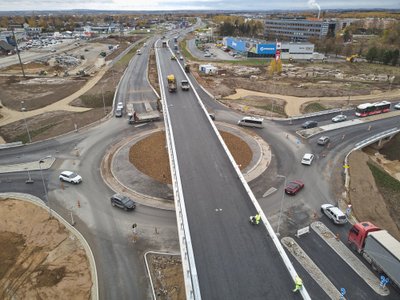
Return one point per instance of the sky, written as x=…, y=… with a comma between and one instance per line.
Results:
x=31, y=5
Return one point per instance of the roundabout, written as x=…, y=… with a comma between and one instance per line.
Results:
x=122, y=167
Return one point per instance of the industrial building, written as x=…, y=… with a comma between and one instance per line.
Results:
x=258, y=48
x=299, y=30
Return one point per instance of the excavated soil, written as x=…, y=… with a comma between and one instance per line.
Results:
x=36, y=92
x=40, y=259
x=150, y=155
x=167, y=276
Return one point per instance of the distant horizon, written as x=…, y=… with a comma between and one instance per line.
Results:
x=193, y=5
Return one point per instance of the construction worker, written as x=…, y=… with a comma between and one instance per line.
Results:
x=298, y=282
x=258, y=218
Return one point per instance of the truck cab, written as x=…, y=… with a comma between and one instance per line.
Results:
x=171, y=83
x=358, y=233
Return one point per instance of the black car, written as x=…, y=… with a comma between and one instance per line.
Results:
x=122, y=202
x=309, y=124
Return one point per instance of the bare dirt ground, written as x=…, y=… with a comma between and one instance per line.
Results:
x=44, y=97
x=150, y=155
x=333, y=85
x=367, y=200
x=58, y=120
x=268, y=94
x=40, y=259
x=36, y=92
x=166, y=273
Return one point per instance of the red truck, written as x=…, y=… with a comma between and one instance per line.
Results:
x=378, y=247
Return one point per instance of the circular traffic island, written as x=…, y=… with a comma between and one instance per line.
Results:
x=150, y=155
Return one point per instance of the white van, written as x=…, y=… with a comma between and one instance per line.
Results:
x=251, y=122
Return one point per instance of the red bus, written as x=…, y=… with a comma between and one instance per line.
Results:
x=368, y=109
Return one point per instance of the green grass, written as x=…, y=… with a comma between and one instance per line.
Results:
x=314, y=107
x=384, y=180
x=124, y=61
x=24, y=137
x=272, y=108
x=96, y=101
x=184, y=50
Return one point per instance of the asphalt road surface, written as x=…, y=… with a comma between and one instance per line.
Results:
x=234, y=260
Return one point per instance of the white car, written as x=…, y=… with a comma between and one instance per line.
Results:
x=339, y=118
x=307, y=159
x=71, y=177
x=120, y=105
x=397, y=106
x=334, y=213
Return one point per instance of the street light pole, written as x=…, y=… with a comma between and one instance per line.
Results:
x=23, y=109
x=280, y=211
x=44, y=185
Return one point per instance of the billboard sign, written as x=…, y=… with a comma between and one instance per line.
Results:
x=266, y=49
x=236, y=45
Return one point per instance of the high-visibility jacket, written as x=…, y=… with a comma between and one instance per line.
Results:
x=298, y=281
x=258, y=218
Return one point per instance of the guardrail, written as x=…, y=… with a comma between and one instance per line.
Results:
x=376, y=138
x=11, y=145
x=362, y=144
x=320, y=113
x=188, y=264
x=264, y=219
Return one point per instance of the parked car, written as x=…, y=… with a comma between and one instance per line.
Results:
x=207, y=54
x=334, y=213
x=122, y=202
x=181, y=57
x=309, y=124
x=397, y=106
x=339, y=118
x=307, y=159
x=323, y=140
x=71, y=177
x=293, y=187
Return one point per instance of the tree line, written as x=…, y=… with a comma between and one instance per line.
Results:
x=238, y=26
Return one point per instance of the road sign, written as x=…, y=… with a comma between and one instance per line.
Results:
x=384, y=281
x=303, y=231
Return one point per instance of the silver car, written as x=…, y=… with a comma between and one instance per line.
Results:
x=334, y=213
x=339, y=118
x=71, y=177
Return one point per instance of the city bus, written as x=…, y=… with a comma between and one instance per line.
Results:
x=369, y=109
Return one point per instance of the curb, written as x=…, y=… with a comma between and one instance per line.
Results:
x=37, y=201
x=148, y=268
x=117, y=186
x=163, y=203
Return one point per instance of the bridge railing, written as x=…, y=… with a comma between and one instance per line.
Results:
x=188, y=264
x=272, y=234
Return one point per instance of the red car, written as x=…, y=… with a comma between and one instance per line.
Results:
x=293, y=187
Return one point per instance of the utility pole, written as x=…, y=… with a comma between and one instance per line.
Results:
x=19, y=57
